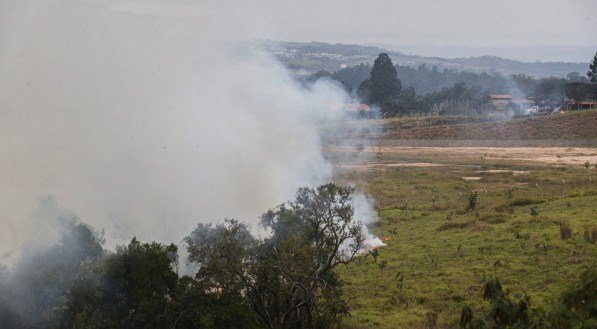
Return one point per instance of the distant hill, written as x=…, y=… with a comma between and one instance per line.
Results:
x=311, y=57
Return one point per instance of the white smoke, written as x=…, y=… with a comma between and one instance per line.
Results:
x=363, y=210
x=144, y=120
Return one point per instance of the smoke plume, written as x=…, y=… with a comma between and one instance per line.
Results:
x=144, y=118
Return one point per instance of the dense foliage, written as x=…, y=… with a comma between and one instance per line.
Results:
x=577, y=308
x=383, y=86
x=592, y=73
x=287, y=280
x=450, y=91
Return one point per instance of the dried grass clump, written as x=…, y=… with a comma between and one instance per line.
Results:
x=454, y=225
x=590, y=234
x=565, y=230
x=494, y=218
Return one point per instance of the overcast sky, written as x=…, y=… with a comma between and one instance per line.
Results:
x=455, y=22
x=463, y=23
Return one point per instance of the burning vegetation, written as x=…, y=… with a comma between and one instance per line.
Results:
x=287, y=279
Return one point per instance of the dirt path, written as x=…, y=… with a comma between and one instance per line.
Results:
x=546, y=155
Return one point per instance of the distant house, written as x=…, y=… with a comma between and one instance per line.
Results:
x=580, y=95
x=358, y=110
x=523, y=103
x=505, y=101
x=500, y=101
x=572, y=104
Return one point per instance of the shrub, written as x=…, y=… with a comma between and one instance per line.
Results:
x=510, y=193
x=431, y=320
x=524, y=202
x=521, y=202
x=576, y=306
x=473, y=200
x=565, y=230
x=453, y=225
x=590, y=234
x=503, y=312
x=495, y=218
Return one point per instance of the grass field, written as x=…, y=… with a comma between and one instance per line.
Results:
x=438, y=254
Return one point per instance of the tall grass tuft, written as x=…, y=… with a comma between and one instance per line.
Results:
x=565, y=230
x=590, y=234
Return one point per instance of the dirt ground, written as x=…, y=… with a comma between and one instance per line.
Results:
x=433, y=155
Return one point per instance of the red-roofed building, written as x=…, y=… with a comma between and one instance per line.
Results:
x=500, y=101
x=505, y=101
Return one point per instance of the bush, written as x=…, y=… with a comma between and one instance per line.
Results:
x=524, y=202
x=565, y=230
x=521, y=202
x=453, y=225
x=590, y=234
x=577, y=306
x=495, y=218
x=503, y=312
x=473, y=201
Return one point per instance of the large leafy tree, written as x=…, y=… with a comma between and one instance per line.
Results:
x=142, y=279
x=592, y=73
x=289, y=278
x=31, y=293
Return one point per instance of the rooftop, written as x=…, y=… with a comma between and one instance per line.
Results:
x=500, y=96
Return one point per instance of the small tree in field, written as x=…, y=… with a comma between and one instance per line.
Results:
x=473, y=200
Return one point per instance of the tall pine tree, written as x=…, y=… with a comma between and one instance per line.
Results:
x=592, y=74
x=385, y=85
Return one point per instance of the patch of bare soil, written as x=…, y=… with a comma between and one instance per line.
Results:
x=499, y=171
x=545, y=155
x=382, y=166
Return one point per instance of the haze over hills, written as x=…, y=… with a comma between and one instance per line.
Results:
x=543, y=53
x=314, y=56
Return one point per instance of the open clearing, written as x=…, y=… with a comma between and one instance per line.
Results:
x=438, y=254
x=443, y=155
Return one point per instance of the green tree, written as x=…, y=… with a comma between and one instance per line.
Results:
x=289, y=278
x=131, y=288
x=592, y=73
x=31, y=294
x=385, y=85
x=407, y=102
x=141, y=281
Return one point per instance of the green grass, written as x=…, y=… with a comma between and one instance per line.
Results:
x=444, y=253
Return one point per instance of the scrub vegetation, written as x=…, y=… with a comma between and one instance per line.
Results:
x=531, y=229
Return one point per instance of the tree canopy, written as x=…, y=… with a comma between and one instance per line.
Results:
x=385, y=85
x=285, y=280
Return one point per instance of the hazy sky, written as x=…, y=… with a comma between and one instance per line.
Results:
x=454, y=22
x=471, y=23
x=478, y=23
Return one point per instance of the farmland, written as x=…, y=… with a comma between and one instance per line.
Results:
x=439, y=254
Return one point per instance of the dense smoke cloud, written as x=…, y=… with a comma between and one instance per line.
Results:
x=144, y=119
